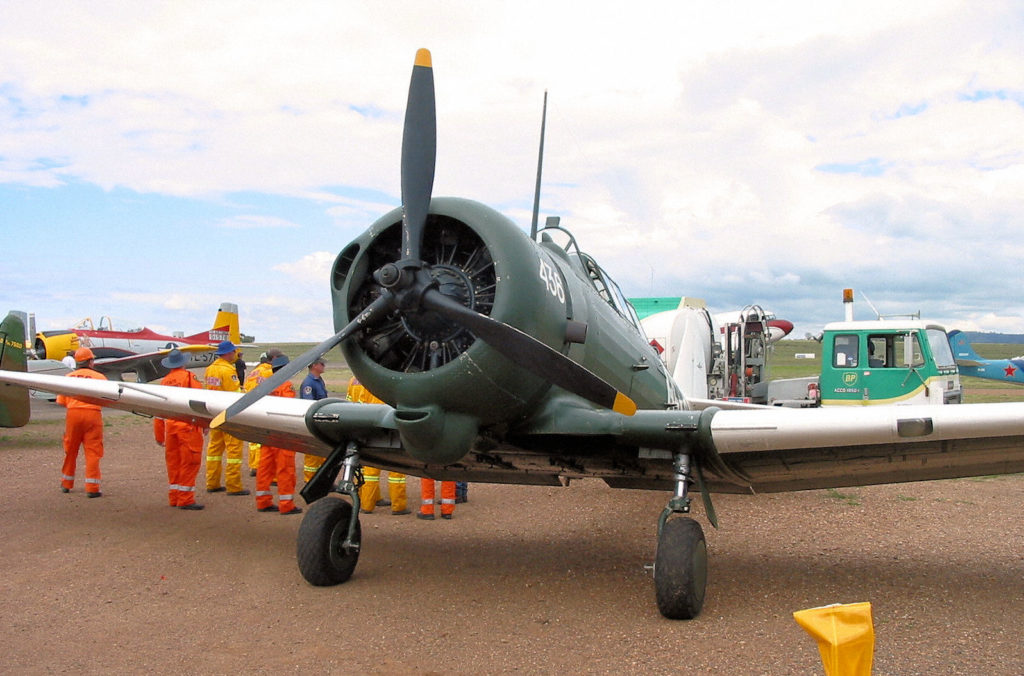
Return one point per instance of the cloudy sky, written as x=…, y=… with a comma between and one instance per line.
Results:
x=157, y=159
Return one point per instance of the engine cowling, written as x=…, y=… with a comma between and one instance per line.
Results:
x=55, y=344
x=450, y=382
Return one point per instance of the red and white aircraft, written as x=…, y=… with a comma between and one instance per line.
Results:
x=105, y=340
x=134, y=350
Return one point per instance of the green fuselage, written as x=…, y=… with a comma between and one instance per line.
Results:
x=446, y=385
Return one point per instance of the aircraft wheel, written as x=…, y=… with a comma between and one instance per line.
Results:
x=681, y=569
x=322, y=559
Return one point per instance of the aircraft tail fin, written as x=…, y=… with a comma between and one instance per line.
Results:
x=225, y=326
x=14, y=404
x=227, y=315
x=963, y=351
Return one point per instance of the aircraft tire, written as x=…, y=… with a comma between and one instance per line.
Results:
x=322, y=560
x=681, y=569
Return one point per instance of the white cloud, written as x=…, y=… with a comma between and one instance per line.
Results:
x=698, y=148
x=314, y=268
x=255, y=221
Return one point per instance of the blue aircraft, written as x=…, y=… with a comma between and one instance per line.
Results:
x=973, y=364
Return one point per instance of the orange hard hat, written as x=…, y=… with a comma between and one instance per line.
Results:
x=83, y=354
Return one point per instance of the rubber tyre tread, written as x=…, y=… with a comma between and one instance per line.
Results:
x=323, y=529
x=680, y=569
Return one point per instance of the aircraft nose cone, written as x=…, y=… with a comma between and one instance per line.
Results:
x=431, y=327
x=782, y=325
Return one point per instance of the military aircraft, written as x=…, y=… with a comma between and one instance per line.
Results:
x=971, y=363
x=106, y=340
x=505, y=358
x=132, y=350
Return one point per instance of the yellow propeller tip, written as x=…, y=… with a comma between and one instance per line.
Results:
x=423, y=58
x=624, y=404
x=218, y=420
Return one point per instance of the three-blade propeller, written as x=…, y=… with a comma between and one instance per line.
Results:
x=407, y=288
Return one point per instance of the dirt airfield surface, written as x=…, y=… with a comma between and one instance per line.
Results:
x=523, y=579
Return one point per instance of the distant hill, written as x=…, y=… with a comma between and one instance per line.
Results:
x=986, y=337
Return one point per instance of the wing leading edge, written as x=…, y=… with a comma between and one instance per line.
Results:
x=277, y=421
x=740, y=451
x=783, y=449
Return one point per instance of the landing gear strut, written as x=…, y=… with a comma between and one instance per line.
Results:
x=329, y=536
x=681, y=562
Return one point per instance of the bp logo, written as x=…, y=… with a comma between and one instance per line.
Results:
x=850, y=378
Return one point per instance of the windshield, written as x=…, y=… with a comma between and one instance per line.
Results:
x=939, y=343
x=609, y=291
x=845, y=348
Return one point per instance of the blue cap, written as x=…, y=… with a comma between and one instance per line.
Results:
x=279, y=361
x=225, y=347
x=174, y=359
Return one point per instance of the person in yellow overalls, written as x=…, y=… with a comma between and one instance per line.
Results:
x=369, y=492
x=260, y=372
x=222, y=375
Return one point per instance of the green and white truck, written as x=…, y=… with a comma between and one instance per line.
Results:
x=881, y=361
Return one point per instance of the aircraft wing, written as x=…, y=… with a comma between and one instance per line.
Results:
x=774, y=449
x=724, y=404
x=782, y=449
x=277, y=421
x=769, y=449
x=146, y=365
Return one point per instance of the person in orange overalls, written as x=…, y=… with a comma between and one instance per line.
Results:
x=222, y=375
x=369, y=492
x=427, y=499
x=258, y=374
x=182, y=441
x=82, y=428
x=277, y=462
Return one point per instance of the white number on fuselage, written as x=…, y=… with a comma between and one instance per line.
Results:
x=552, y=280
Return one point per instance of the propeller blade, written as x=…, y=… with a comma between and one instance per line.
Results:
x=419, y=150
x=373, y=313
x=531, y=354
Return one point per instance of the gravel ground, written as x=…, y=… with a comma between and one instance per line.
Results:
x=523, y=579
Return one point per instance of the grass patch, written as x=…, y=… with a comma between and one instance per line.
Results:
x=845, y=498
x=38, y=421
x=30, y=440
x=336, y=375
x=955, y=501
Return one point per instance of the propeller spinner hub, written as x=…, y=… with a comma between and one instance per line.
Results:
x=430, y=327
x=388, y=275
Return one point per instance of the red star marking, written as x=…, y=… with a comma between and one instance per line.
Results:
x=1009, y=371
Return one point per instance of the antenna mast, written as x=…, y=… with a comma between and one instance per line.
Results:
x=540, y=166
